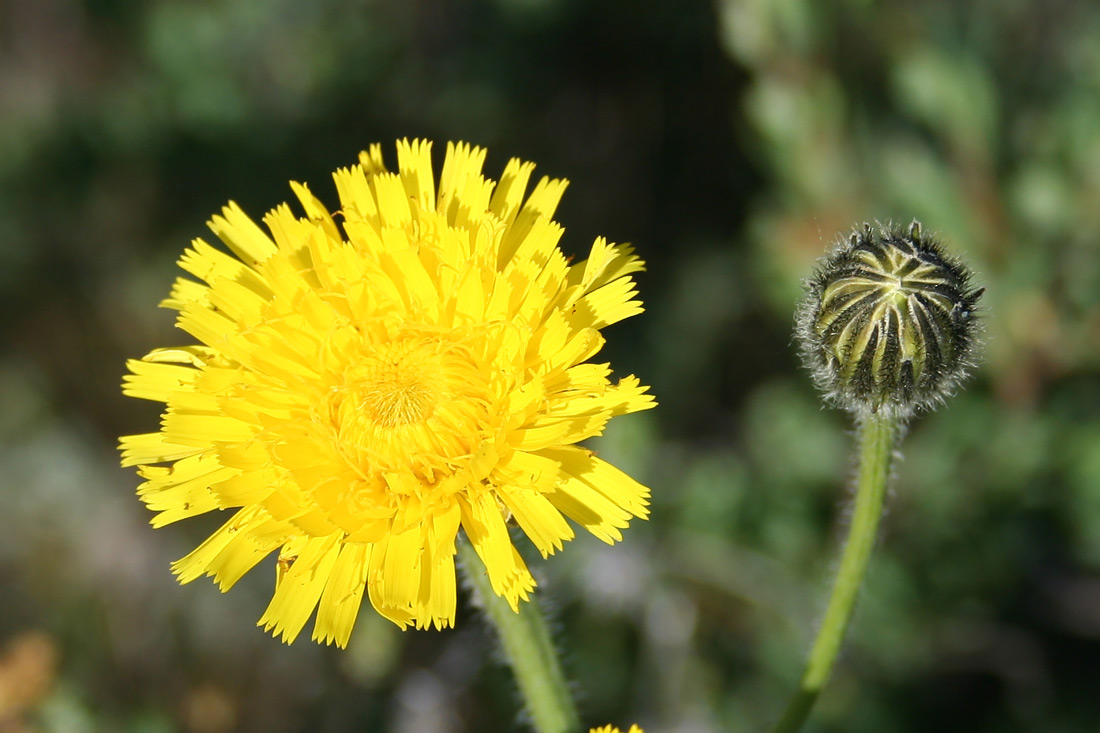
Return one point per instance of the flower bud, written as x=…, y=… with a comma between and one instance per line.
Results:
x=888, y=322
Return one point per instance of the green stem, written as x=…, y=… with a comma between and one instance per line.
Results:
x=877, y=437
x=529, y=649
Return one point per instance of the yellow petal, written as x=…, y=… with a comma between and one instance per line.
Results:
x=299, y=592
x=343, y=595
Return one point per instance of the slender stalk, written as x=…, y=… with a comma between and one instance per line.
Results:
x=877, y=437
x=526, y=641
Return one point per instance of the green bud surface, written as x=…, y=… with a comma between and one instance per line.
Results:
x=888, y=322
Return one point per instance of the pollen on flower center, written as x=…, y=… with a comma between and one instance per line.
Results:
x=418, y=403
x=395, y=384
x=398, y=402
x=398, y=390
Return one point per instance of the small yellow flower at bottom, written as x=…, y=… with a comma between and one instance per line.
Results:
x=613, y=729
x=362, y=390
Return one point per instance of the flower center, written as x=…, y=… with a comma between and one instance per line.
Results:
x=397, y=389
x=417, y=404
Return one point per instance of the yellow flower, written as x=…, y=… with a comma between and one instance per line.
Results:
x=613, y=729
x=361, y=390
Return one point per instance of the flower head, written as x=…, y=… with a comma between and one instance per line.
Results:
x=368, y=381
x=888, y=322
x=612, y=729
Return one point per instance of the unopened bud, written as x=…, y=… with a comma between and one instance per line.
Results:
x=888, y=322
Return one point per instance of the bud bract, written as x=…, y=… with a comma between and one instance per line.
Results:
x=888, y=322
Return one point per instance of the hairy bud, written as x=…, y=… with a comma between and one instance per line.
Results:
x=888, y=322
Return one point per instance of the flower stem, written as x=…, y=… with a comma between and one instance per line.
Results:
x=526, y=641
x=877, y=437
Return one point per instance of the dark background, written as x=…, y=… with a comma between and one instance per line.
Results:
x=731, y=142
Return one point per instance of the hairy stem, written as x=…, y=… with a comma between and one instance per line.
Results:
x=525, y=639
x=877, y=437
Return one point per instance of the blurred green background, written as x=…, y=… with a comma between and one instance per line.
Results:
x=731, y=141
